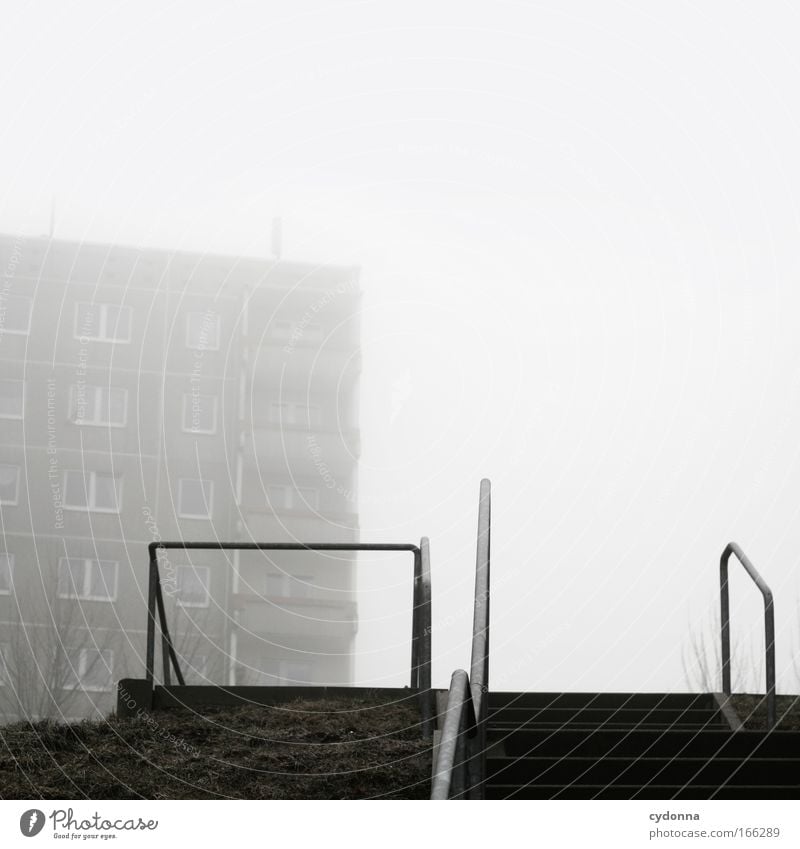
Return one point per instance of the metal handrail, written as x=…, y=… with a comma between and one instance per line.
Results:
x=424, y=630
x=421, y=615
x=769, y=626
x=479, y=664
x=461, y=765
x=459, y=723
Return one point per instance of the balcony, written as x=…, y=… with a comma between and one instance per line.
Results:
x=319, y=453
x=297, y=525
x=314, y=366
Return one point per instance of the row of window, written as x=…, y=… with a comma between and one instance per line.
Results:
x=190, y=586
x=90, y=404
x=283, y=585
x=101, y=492
x=112, y=323
x=88, y=579
x=91, y=670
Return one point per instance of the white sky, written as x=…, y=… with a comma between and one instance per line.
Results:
x=578, y=228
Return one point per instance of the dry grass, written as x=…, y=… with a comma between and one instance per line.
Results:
x=326, y=749
x=752, y=711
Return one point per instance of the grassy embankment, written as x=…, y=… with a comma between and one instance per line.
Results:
x=333, y=749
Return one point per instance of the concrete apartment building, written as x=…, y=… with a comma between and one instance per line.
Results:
x=148, y=394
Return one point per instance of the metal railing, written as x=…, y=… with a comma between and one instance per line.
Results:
x=769, y=626
x=421, y=620
x=460, y=770
x=451, y=776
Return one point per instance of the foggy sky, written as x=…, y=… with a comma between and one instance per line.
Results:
x=578, y=230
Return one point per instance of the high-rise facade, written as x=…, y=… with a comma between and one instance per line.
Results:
x=150, y=394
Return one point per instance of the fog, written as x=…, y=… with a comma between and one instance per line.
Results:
x=577, y=234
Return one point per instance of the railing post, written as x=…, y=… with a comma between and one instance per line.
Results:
x=479, y=668
x=166, y=675
x=152, y=583
x=769, y=627
x=168, y=650
x=462, y=780
x=427, y=707
x=725, y=621
x=769, y=641
x=415, y=619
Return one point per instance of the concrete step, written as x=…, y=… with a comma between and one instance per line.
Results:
x=653, y=742
x=643, y=771
x=632, y=745
x=644, y=701
x=502, y=731
x=600, y=715
x=653, y=791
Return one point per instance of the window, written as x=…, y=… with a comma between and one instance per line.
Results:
x=280, y=497
x=281, y=585
x=191, y=585
x=9, y=484
x=312, y=332
x=103, y=322
x=202, y=331
x=279, y=413
x=12, y=399
x=288, y=413
x=289, y=498
x=282, y=329
x=97, y=491
x=297, y=331
x=91, y=580
x=306, y=496
x=199, y=413
x=6, y=578
x=98, y=405
x=195, y=498
x=274, y=586
x=15, y=314
x=91, y=669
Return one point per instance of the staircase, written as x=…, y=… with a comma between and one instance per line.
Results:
x=500, y=745
x=631, y=746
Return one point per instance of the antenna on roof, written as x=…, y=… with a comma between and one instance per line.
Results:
x=277, y=237
x=52, y=216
